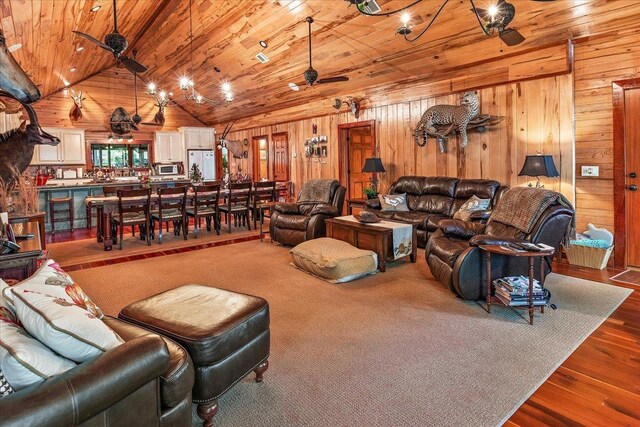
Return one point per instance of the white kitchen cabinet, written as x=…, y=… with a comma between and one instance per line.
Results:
x=70, y=151
x=168, y=147
x=198, y=138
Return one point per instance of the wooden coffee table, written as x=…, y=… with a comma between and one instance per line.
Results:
x=370, y=237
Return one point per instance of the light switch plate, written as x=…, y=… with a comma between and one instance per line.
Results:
x=590, y=171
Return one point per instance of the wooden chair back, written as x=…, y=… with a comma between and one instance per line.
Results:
x=263, y=192
x=239, y=194
x=134, y=201
x=206, y=196
x=172, y=199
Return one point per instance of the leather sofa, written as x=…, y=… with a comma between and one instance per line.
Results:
x=455, y=260
x=294, y=223
x=145, y=381
x=431, y=199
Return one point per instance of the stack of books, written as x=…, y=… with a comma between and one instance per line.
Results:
x=514, y=291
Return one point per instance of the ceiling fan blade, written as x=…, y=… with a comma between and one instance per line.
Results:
x=336, y=79
x=93, y=40
x=511, y=37
x=132, y=65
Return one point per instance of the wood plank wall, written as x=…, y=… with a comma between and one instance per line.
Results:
x=104, y=92
x=599, y=62
x=538, y=117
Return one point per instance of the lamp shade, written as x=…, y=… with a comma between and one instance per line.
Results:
x=373, y=164
x=540, y=165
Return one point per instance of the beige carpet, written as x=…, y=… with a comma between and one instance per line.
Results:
x=393, y=349
x=89, y=250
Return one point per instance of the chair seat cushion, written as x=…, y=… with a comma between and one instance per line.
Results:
x=414, y=217
x=201, y=211
x=292, y=222
x=130, y=217
x=432, y=222
x=177, y=381
x=167, y=214
x=210, y=323
x=334, y=260
x=233, y=208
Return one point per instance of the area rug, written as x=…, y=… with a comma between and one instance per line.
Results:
x=90, y=251
x=392, y=349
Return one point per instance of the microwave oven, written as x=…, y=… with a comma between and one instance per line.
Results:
x=167, y=169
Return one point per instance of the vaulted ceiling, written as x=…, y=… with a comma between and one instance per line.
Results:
x=226, y=35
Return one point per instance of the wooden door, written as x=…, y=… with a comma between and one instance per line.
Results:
x=632, y=175
x=280, y=157
x=260, y=157
x=361, y=145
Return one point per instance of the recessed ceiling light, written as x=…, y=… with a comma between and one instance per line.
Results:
x=95, y=8
x=263, y=44
x=79, y=48
x=15, y=47
x=294, y=87
x=72, y=69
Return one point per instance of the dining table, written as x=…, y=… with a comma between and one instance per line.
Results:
x=107, y=206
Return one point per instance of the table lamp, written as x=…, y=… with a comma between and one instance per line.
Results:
x=539, y=165
x=373, y=165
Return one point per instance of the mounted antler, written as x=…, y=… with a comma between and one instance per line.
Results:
x=76, y=111
x=161, y=103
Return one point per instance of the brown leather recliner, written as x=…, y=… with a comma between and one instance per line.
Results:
x=431, y=199
x=145, y=381
x=454, y=258
x=294, y=223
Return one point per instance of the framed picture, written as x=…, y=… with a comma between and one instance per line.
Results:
x=323, y=138
x=263, y=154
x=323, y=151
x=314, y=140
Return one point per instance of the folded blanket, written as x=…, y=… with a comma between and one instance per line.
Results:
x=316, y=191
x=521, y=207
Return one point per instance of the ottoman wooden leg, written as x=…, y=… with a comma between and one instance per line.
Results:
x=261, y=370
x=206, y=412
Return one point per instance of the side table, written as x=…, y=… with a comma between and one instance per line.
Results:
x=506, y=251
x=358, y=203
x=37, y=217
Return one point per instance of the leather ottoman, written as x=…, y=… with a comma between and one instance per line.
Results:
x=225, y=333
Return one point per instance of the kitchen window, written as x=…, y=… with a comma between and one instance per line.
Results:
x=120, y=155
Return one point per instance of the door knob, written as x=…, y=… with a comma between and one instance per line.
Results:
x=633, y=175
x=632, y=187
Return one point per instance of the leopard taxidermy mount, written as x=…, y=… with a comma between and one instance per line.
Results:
x=456, y=116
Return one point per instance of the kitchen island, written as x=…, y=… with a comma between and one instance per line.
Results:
x=80, y=189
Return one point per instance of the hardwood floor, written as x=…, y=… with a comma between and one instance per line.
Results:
x=599, y=384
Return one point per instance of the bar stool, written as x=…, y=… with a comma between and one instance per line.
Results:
x=52, y=211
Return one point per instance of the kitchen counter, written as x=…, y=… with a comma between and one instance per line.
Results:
x=80, y=189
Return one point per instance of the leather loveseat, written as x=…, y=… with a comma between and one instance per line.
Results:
x=455, y=260
x=431, y=199
x=145, y=381
x=294, y=223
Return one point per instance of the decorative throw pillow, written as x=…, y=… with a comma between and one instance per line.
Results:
x=393, y=203
x=5, y=387
x=50, y=279
x=24, y=360
x=474, y=204
x=67, y=328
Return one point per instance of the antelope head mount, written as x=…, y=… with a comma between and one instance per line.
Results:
x=161, y=102
x=76, y=111
x=352, y=103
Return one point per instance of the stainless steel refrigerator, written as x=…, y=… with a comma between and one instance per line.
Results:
x=206, y=161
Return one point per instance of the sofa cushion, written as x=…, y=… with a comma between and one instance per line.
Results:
x=434, y=220
x=334, y=260
x=66, y=328
x=51, y=280
x=24, y=360
x=177, y=381
x=415, y=217
x=409, y=185
x=393, y=202
x=439, y=185
x=483, y=188
x=447, y=248
x=474, y=204
x=434, y=204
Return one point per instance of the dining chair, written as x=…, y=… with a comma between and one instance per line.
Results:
x=238, y=203
x=106, y=191
x=205, y=205
x=133, y=209
x=262, y=198
x=170, y=207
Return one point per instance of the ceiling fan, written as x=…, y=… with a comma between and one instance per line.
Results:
x=311, y=75
x=116, y=43
x=498, y=18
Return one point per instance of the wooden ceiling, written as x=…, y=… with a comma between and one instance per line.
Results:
x=226, y=35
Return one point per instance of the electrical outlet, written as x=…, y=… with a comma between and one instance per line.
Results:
x=590, y=171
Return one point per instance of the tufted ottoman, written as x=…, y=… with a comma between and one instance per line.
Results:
x=225, y=333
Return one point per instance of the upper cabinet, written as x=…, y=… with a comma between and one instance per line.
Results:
x=198, y=138
x=168, y=147
x=70, y=151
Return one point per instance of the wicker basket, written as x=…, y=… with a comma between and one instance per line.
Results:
x=587, y=256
